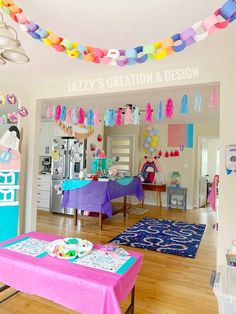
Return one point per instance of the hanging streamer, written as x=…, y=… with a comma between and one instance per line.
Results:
x=57, y=113
x=74, y=116
x=159, y=115
x=218, y=20
x=128, y=116
x=214, y=98
x=198, y=103
x=63, y=114
x=118, y=119
x=90, y=117
x=148, y=116
x=136, y=116
x=69, y=115
x=53, y=112
x=110, y=117
x=169, y=108
x=184, y=105
x=49, y=112
x=81, y=116
x=96, y=117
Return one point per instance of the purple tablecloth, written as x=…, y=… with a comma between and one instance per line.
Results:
x=96, y=196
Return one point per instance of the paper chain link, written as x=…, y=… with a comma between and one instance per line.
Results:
x=220, y=19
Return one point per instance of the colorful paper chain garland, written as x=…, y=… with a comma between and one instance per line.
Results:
x=220, y=19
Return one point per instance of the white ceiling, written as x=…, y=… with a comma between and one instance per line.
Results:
x=140, y=99
x=112, y=24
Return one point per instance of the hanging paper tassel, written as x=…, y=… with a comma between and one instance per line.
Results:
x=74, y=116
x=148, y=116
x=166, y=154
x=136, y=116
x=128, y=116
x=96, y=117
x=57, y=113
x=214, y=98
x=63, y=114
x=198, y=103
x=53, y=112
x=184, y=105
x=159, y=115
x=110, y=117
x=118, y=119
x=81, y=116
x=49, y=112
x=69, y=115
x=169, y=108
x=90, y=117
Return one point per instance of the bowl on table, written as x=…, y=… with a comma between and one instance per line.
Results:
x=69, y=248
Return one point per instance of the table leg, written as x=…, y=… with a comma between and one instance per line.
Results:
x=75, y=216
x=125, y=206
x=100, y=221
x=142, y=203
x=3, y=288
x=160, y=198
x=130, y=309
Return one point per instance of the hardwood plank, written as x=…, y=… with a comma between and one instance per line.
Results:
x=167, y=284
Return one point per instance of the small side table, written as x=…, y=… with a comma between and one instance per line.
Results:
x=156, y=188
x=180, y=195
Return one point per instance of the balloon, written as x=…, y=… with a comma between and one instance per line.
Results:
x=145, y=133
x=155, y=131
x=148, y=139
x=155, y=138
x=153, y=144
x=149, y=127
x=146, y=145
x=150, y=133
x=151, y=150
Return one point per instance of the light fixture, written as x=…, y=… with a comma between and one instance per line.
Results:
x=10, y=46
x=17, y=55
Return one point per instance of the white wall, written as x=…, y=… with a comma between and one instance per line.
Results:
x=212, y=146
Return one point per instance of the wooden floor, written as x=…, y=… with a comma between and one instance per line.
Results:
x=167, y=284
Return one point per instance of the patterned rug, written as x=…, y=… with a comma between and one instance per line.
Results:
x=165, y=236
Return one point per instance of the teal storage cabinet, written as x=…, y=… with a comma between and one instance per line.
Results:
x=8, y=221
x=9, y=206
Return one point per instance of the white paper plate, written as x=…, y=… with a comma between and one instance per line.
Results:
x=82, y=247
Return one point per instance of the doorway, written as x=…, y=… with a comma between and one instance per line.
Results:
x=209, y=166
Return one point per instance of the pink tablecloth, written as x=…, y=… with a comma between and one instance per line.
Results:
x=80, y=288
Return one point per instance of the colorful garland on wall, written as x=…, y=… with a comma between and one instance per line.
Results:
x=12, y=117
x=121, y=57
x=128, y=115
x=68, y=130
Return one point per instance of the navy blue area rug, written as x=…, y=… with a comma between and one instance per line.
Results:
x=165, y=236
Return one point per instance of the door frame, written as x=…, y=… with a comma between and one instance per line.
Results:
x=108, y=143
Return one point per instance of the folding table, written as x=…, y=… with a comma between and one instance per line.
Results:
x=80, y=288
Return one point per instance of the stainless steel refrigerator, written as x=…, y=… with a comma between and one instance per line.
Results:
x=68, y=159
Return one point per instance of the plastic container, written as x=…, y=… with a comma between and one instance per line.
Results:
x=101, y=164
x=225, y=289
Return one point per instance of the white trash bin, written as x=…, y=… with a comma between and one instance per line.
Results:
x=225, y=289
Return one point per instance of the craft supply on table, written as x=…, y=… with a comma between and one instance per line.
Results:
x=69, y=248
x=28, y=246
x=115, y=260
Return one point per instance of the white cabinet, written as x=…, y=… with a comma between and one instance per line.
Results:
x=43, y=192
